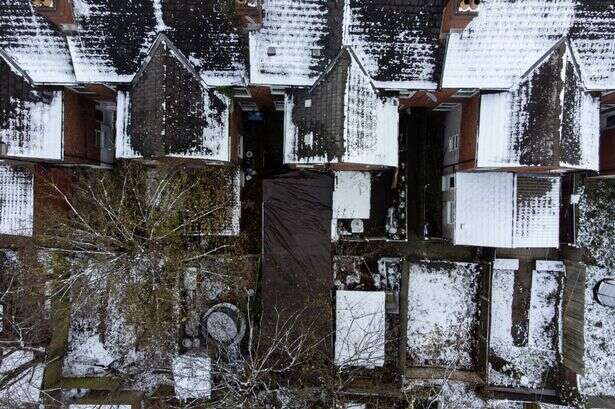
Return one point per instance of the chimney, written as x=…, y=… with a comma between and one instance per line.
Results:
x=457, y=15
x=250, y=13
x=59, y=12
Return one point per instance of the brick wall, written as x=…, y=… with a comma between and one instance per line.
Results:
x=79, y=129
x=470, y=111
x=607, y=152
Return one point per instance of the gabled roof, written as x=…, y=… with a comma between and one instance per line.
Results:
x=16, y=201
x=397, y=42
x=169, y=111
x=34, y=45
x=342, y=118
x=114, y=36
x=31, y=118
x=498, y=209
x=546, y=119
x=508, y=37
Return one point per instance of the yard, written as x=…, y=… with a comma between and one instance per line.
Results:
x=443, y=314
x=524, y=333
x=599, y=377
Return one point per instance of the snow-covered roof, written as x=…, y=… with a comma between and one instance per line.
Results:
x=526, y=365
x=33, y=44
x=508, y=37
x=342, y=118
x=298, y=31
x=499, y=209
x=546, y=119
x=352, y=195
x=31, y=119
x=192, y=375
x=360, y=328
x=397, y=42
x=114, y=37
x=299, y=38
x=16, y=201
x=184, y=119
x=24, y=386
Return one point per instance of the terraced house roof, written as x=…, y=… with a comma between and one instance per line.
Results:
x=299, y=38
x=508, y=37
x=546, y=119
x=114, y=37
x=34, y=45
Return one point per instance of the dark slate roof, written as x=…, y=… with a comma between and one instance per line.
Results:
x=33, y=44
x=115, y=35
x=593, y=38
x=171, y=113
x=397, y=41
x=342, y=118
x=548, y=119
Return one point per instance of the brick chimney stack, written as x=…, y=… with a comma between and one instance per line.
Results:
x=457, y=15
x=59, y=12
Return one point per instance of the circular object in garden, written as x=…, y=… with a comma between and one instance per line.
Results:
x=224, y=324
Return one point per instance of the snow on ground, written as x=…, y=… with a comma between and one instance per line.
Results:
x=458, y=395
x=192, y=375
x=442, y=314
x=24, y=387
x=525, y=366
x=101, y=342
x=596, y=222
x=78, y=406
x=360, y=328
x=599, y=377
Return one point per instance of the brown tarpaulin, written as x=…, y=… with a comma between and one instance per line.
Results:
x=297, y=275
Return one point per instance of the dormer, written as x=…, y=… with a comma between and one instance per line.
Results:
x=250, y=13
x=59, y=12
x=457, y=15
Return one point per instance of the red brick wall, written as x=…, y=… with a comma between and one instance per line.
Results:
x=470, y=111
x=607, y=152
x=453, y=20
x=262, y=97
x=61, y=14
x=79, y=129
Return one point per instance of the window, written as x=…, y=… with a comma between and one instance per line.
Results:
x=450, y=212
x=271, y=51
x=453, y=142
x=308, y=103
x=279, y=105
x=451, y=182
x=97, y=138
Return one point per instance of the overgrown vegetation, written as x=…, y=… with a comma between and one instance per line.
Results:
x=596, y=232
